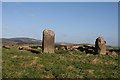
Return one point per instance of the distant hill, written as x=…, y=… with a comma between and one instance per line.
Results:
x=21, y=40
x=28, y=41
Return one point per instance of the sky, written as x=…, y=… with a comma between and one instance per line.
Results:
x=72, y=22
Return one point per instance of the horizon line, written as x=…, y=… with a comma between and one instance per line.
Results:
x=62, y=42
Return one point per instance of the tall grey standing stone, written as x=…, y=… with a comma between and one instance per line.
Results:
x=48, y=41
x=100, y=46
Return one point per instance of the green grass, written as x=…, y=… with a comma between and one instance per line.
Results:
x=62, y=64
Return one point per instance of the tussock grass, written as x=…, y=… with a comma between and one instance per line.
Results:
x=62, y=64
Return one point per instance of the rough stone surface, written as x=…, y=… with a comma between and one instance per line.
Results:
x=11, y=46
x=24, y=47
x=48, y=43
x=100, y=46
x=75, y=46
x=67, y=47
x=62, y=48
x=114, y=53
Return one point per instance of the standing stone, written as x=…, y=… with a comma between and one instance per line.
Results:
x=100, y=46
x=48, y=41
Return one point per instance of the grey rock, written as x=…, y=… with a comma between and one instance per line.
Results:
x=48, y=43
x=100, y=46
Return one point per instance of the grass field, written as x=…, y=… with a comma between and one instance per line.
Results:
x=62, y=64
